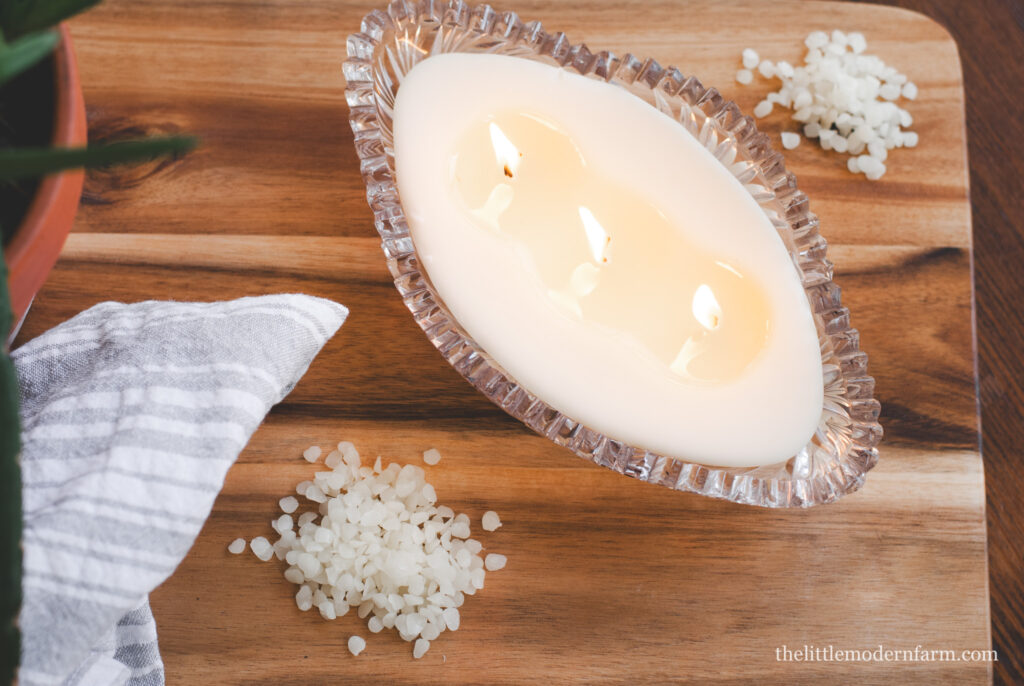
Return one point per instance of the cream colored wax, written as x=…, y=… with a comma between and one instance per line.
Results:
x=606, y=260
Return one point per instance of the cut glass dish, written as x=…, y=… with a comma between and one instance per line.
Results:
x=844, y=447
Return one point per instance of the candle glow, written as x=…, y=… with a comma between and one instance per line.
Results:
x=606, y=260
x=549, y=205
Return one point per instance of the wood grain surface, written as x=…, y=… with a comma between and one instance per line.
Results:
x=990, y=34
x=609, y=580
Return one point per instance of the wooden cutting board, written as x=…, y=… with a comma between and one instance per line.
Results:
x=609, y=580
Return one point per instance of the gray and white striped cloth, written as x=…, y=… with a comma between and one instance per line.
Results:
x=132, y=415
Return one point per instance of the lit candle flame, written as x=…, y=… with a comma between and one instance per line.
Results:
x=505, y=152
x=706, y=308
x=597, y=237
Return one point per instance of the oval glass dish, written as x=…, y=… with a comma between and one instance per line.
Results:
x=392, y=41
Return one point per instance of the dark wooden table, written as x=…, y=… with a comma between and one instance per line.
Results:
x=991, y=40
x=990, y=34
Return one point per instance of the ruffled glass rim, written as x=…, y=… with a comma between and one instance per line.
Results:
x=843, y=449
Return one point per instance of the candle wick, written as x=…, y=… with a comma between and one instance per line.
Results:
x=508, y=172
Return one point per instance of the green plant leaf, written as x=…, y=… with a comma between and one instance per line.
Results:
x=29, y=162
x=18, y=17
x=10, y=497
x=18, y=56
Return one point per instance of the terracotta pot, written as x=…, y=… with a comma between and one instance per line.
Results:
x=34, y=248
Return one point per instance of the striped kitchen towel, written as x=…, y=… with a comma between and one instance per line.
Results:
x=132, y=415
